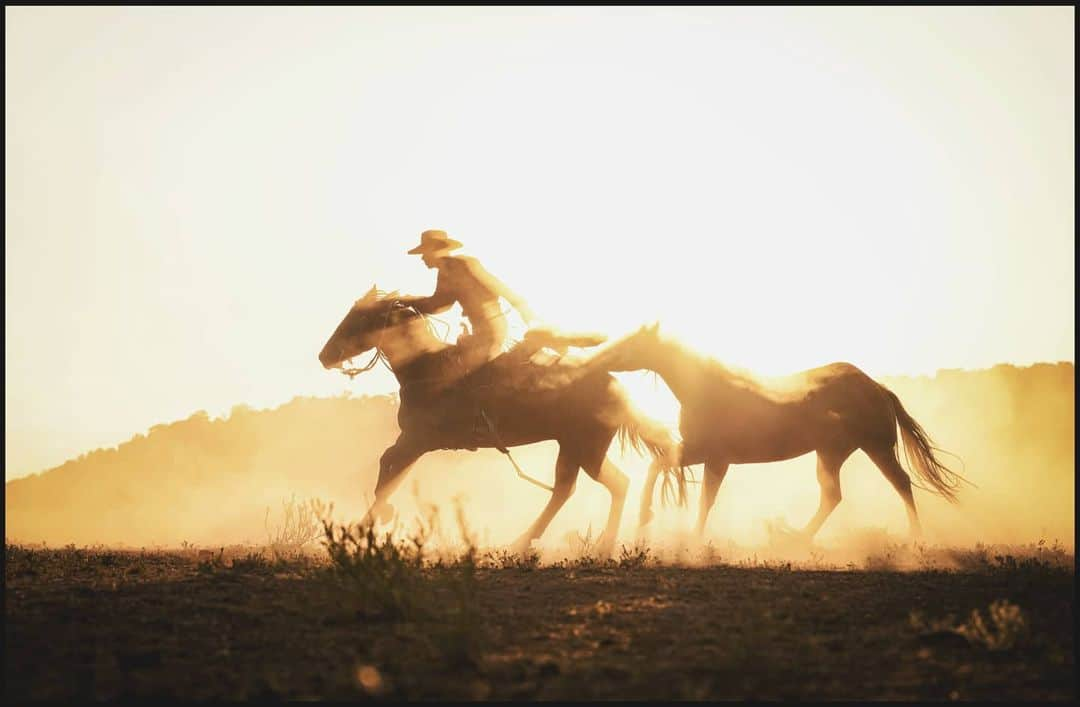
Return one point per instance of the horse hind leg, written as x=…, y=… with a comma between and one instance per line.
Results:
x=828, y=476
x=616, y=482
x=710, y=484
x=645, y=513
x=566, y=469
x=886, y=460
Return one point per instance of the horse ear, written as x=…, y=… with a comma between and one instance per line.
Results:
x=369, y=297
x=655, y=328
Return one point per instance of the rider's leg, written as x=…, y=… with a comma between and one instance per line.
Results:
x=489, y=335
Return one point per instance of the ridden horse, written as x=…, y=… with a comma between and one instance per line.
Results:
x=449, y=403
x=729, y=418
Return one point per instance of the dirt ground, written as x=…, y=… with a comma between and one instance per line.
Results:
x=95, y=623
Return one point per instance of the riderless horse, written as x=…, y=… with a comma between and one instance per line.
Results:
x=731, y=418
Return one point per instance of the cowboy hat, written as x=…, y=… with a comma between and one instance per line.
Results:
x=432, y=241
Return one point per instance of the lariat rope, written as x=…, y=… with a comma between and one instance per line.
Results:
x=521, y=474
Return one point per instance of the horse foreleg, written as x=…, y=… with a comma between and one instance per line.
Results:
x=616, y=482
x=566, y=470
x=393, y=465
x=828, y=476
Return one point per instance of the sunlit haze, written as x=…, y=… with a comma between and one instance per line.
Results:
x=195, y=196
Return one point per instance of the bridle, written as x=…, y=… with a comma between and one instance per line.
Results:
x=352, y=372
x=378, y=355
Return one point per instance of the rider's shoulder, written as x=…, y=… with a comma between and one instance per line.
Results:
x=461, y=264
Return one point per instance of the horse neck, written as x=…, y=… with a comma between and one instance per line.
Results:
x=411, y=354
x=680, y=368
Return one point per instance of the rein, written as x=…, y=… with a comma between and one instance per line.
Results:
x=353, y=372
x=377, y=356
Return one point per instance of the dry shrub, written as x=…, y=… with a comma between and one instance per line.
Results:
x=300, y=525
x=1005, y=629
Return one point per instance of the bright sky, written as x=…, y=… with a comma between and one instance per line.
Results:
x=195, y=196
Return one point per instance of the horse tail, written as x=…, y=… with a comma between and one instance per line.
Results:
x=639, y=433
x=919, y=451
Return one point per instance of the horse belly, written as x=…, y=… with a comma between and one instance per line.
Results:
x=749, y=441
x=516, y=425
x=761, y=451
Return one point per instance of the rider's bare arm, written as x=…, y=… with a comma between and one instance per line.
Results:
x=441, y=300
x=499, y=287
x=518, y=303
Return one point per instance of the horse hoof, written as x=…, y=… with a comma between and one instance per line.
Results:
x=384, y=513
x=645, y=518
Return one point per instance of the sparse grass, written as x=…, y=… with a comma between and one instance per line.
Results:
x=70, y=563
x=391, y=579
x=210, y=562
x=708, y=554
x=516, y=628
x=1032, y=557
x=634, y=557
x=755, y=562
x=252, y=562
x=458, y=627
x=507, y=560
x=385, y=576
x=883, y=560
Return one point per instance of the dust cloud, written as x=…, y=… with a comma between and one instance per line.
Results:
x=215, y=482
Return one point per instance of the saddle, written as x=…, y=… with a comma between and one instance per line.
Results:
x=519, y=371
x=522, y=370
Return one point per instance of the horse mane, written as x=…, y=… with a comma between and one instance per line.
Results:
x=375, y=301
x=776, y=388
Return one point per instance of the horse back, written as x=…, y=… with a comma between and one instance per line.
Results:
x=769, y=418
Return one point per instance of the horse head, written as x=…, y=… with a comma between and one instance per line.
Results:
x=634, y=352
x=365, y=325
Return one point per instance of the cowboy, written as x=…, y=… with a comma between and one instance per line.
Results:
x=464, y=280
